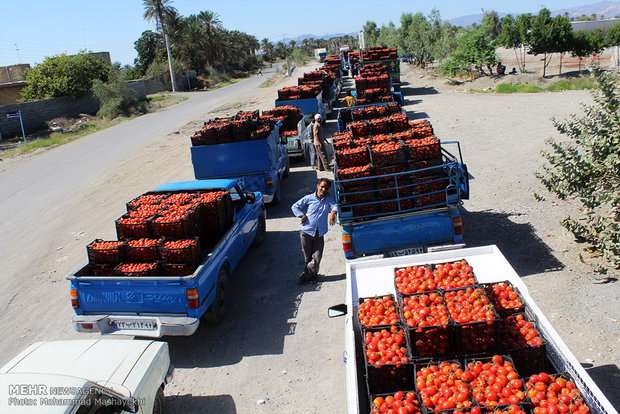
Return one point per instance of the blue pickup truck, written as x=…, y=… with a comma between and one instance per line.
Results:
x=156, y=306
x=405, y=212
x=260, y=164
x=307, y=106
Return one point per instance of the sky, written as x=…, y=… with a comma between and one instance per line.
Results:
x=33, y=29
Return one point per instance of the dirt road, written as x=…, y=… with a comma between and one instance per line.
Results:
x=278, y=352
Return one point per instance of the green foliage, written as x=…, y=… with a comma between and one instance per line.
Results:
x=116, y=98
x=517, y=88
x=492, y=24
x=559, y=86
x=549, y=35
x=388, y=36
x=371, y=33
x=613, y=35
x=148, y=46
x=475, y=51
x=515, y=35
x=64, y=75
x=585, y=166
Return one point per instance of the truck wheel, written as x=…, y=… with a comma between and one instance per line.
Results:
x=158, y=404
x=216, y=312
x=260, y=231
x=287, y=171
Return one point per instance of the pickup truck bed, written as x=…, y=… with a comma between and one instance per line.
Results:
x=369, y=278
x=154, y=306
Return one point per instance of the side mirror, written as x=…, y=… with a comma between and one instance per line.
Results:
x=251, y=197
x=337, y=311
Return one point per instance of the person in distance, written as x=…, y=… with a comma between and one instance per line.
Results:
x=316, y=212
x=318, y=140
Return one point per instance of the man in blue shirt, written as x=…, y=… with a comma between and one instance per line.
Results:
x=315, y=212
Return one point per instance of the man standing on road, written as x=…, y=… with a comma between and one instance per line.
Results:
x=316, y=134
x=315, y=212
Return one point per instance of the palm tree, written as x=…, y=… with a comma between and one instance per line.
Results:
x=211, y=25
x=161, y=11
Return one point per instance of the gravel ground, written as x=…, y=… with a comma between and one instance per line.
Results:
x=501, y=138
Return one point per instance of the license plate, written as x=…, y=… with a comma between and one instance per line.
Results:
x=137, y=325
x=406, y=252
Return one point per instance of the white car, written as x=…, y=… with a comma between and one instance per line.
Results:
x=98, y=376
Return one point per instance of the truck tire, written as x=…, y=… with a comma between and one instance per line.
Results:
x=158, y=404
x=276, y=197
x=287, y=170
x=260, y=231
x=217, y=311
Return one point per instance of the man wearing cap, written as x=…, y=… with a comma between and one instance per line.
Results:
x=316, y=134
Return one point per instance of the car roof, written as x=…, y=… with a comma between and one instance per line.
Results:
x=102, y=361
x=219, y=184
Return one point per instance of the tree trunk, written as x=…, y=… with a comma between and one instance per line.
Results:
x=580, y=65
x=545, y=65
x=561, y=57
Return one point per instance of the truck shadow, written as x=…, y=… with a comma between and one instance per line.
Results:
x=190, y=404
x=607, y=377
x=525, y=251
x=265, y=296
x=427, y=90
x=417, y=114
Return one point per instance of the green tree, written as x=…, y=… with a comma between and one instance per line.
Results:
x=475, y=51
x=514, y=35
x=549, y=35
x=162, y=11
x=492, y=24
x=65, y=75
x=613, y=39
x=585, y=167
x=116, y=98
x=563, y=36
x=388, y=36
x=268, y=50
x=147, y=46
x=371, y=33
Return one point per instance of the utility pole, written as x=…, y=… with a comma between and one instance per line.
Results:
x=19, y=58
x=169, y=53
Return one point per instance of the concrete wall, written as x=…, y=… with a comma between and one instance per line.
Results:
x=147, y=86
x=13, y=73
x=36, y=114
x=11, y=92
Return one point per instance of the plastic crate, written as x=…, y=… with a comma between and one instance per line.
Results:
x=353, y=157
x=187, y=254
x=504, y=311
x=566, y=377
x=175, y=227
x=429, y=363
x=423, y=149
x=405, y=273
x=523, y=408
x=382, y=155
x=386, y=378
x=433, y=341
x=476, y=336
x=142, y=250
x=376, y=410
x=471, y=362
x=528, y=359
x=380, y=326
x=96, y=270
x=145, y=199
x=133, y=228
x=110, y=255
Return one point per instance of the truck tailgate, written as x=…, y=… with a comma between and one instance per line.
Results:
x=399, y=232
x=111, y=295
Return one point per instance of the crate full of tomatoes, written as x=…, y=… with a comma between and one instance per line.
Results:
x=241, y=127
x=388, y=360
x=352, y=157
x=298, y=92
x=380, y=53
x=375, y=111
x=289, y=116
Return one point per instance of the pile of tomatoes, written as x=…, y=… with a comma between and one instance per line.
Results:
x=400, y=402
x=180, y=251
x=425, y=310
x=517, y=333
x=494, y=382
x=554, y=394
x=441, y=387
x=386, y=347
x=132, y=227
x=414, y=279
x=505, y=299
x=424, y=148
x=354, y=172
x=510, y=409
x=378, y=312
x=454, y=275
x=470, y=304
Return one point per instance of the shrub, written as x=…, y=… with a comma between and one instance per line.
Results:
x=65, y=75
x=117, y=98
x=586, y=167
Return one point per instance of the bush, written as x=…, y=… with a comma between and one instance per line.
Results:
x=117, y=98
x=586, y=167
x=65, y=75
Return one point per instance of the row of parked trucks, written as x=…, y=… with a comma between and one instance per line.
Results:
x=414, y=300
